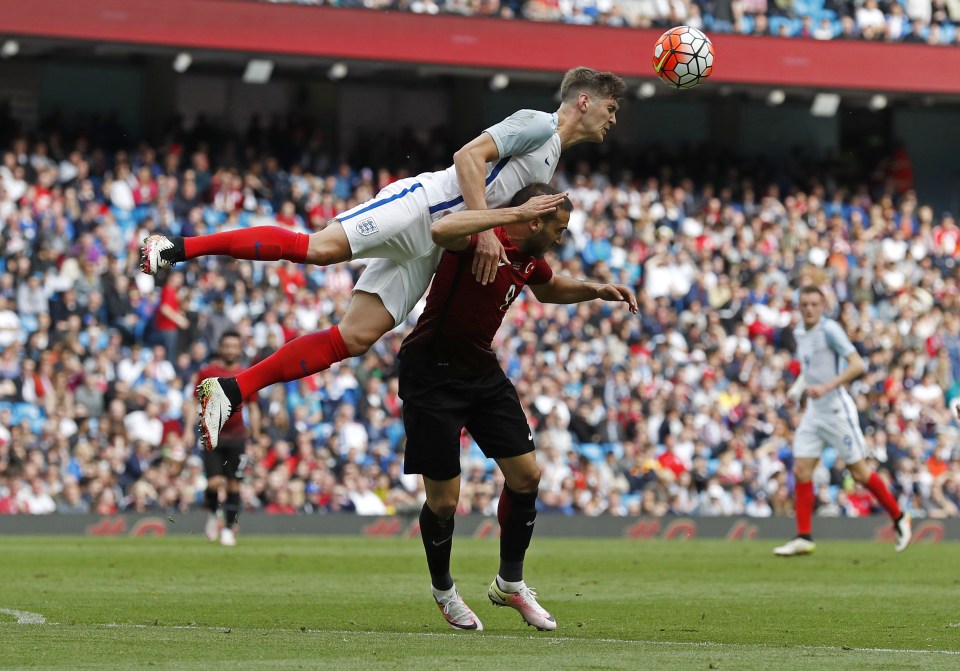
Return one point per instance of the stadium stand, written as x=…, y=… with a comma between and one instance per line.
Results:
x=677, y=413
x=925, y=21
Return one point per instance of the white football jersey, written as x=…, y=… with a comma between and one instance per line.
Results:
x=529, y=149
x=823, y=352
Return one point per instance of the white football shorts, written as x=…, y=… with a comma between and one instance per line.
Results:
x=393, y=225
x=837, y=426
x=399, y=285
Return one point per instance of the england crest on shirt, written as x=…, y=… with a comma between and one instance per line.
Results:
x=367, y=227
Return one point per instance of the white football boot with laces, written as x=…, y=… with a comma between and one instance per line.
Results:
x=903, y=529
x=151, y=254
x=212, y=528
x=798, y=546
x=524, y=601
x=215, y=410
x=456, y=612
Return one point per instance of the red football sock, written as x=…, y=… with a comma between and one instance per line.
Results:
x=259, y=243
x=878, y=488
x=803, y=495
x=299, y=358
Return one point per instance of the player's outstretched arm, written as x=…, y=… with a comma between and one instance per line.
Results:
x=566, y=290
x=470, y=162
x=453, y=231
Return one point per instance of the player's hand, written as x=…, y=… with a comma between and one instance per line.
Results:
x=619, y=292
x=488, y=254
x=539, y=206
x=796, y=402
x=818, y=390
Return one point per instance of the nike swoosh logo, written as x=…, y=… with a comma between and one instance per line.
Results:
x=439, y=543
x=501, y=264
x=547, y=160
x=531, y=523
x=662, y=59
x=530, y=435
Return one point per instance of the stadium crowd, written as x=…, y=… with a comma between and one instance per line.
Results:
x=916, y=21
x=676, y=412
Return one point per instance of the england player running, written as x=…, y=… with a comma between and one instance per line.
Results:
x=450, y=378
x=830, y=418
x=394, y=230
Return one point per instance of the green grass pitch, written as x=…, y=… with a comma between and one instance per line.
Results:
x=353, y=603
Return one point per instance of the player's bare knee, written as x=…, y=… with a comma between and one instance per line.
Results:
x=443, y=507
x=328, y=246
x=358, y=341
x=526, y=482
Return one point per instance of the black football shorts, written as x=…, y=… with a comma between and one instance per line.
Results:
x=436, y=407
x=229, y=459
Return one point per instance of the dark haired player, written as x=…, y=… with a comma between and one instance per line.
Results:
x=450, y=378
x=224, y=466
x=393, y=229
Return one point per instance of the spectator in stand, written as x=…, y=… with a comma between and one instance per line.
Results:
x=170, y=318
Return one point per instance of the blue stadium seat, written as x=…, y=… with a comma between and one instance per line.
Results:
x=29, y=323
x=124, y=217
x=141, y=212
x=778, y=23
x=322, y=431
x=829, y=457
x=395, y=434
x=591, y=451
x=213, y=217
x=616, y=448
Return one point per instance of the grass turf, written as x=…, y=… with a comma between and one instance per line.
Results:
x=354, y=603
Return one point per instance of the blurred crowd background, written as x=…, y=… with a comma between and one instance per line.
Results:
x=677, y=411
x=916, y=21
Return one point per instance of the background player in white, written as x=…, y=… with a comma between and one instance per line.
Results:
x=830, y=418
x=394, y=230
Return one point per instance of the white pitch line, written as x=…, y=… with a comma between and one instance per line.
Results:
x=545, y=637
x=24, y=617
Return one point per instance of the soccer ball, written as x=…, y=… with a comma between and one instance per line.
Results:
x=683, y=57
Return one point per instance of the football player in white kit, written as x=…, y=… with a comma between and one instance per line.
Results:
x=830, y=418
x=394, y=229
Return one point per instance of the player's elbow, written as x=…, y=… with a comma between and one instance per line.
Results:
x=438, y=234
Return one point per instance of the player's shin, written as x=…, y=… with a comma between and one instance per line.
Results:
x=804, y=502
x=879, y=489
x=299, y=358
x=259, y=243
x=517, y=514
x=231, y=509
x=437, y=536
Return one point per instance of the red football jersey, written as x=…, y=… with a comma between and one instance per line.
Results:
x=233, y=429
x=462, y=316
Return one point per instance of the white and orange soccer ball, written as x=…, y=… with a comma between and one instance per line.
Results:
x=683, y=57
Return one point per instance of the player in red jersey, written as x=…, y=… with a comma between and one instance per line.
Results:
x=450, y=378
x=224, y=466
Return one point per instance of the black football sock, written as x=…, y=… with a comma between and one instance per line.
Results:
x=212, y=500
x=232, y=390
x=174, y=254
x=231, y=509
x=516, y=514
x=437, y=535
